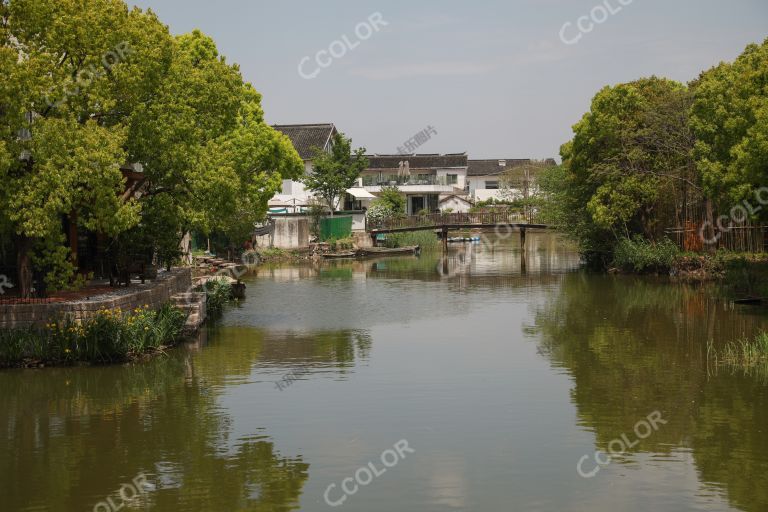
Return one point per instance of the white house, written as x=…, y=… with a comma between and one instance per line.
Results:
x=423, y=179
x=485, y=178
x=455, y=203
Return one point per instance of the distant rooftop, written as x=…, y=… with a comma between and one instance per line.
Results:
x=307, y=137
x=418, y=161
x=496, y=166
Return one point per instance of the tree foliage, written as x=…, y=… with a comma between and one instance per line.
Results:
x=619, y=177
x=730, y=120
x=392, y=199
x=335, y=171
x=651, y=151
x=89, y=85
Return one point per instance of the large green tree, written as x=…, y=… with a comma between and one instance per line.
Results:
x=58, y=113
x=336, y=171
x=204, y=144
x=628, y=169
x=88, y=85
x=730, y=121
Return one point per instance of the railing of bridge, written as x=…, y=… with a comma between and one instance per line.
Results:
x=454, y=219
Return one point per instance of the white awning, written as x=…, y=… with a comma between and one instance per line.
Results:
x=360, y=193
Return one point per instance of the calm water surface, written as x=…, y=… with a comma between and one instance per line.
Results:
x=501, y=374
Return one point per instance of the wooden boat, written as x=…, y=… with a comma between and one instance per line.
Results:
x=385, y=251
x=339, y=255
x=751, y=301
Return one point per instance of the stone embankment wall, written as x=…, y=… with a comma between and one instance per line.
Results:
x=154, y=294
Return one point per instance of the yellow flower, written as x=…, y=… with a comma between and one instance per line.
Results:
x=67, y=351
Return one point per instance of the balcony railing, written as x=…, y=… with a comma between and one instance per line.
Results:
x=404, y=181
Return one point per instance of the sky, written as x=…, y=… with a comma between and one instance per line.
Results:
x=494, y=78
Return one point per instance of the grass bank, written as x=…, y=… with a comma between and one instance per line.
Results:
x=111, y=336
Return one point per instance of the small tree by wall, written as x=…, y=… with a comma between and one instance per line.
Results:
x=335, y=172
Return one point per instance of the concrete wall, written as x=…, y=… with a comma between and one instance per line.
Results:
x=362, y=239
x=154, y=294
x=358, y=221
x=291, y=232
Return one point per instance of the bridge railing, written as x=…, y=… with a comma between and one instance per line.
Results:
x=442, y=219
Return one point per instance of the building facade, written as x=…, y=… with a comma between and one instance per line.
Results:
x=504, y=179
x=423, y=179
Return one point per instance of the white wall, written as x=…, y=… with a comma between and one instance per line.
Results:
x=297, y=188
x=456, y=205
x=461, y=173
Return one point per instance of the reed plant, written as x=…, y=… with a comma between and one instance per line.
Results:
x=748, y=355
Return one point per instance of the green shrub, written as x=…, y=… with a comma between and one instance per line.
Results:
x=109, y=336
x=640, y=255
x=424, y=239
x=377, y=214
x=392, y=199
x=342, y=244
x=218, y=293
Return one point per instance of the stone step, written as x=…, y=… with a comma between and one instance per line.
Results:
x=194, y=304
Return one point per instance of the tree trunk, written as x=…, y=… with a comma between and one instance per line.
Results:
x=710, y=233
x=24, y=266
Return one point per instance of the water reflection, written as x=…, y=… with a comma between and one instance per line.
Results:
x=71, y=437
x=633, y=346
x=441, y=352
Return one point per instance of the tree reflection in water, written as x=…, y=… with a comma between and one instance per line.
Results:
x=71, y=437
x=633, y=346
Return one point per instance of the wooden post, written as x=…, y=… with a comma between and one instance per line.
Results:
x=523, y=265
x=522, y=239
x=445, y=238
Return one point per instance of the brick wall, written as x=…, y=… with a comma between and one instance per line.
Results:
x=154, y=294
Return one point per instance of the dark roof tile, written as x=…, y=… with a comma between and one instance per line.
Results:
x=435, y=161
x=493, y=167
x=307, y=137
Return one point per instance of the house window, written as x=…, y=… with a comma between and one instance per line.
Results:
x=492, y=185
x=453, y=179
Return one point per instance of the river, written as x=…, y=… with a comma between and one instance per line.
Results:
x=515, y=383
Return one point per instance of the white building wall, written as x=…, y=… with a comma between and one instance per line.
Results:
x=297, y=188
x=455, y=204
x=460, y=173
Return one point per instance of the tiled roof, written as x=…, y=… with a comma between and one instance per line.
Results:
x=307, y=137
x=431, y=161
x=494, y=167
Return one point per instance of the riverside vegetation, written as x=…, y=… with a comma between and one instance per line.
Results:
x=111, y=336
x=655, y=154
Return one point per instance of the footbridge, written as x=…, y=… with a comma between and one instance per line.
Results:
x=442, y=223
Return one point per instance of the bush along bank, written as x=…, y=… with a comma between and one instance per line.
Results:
x=744, y=272
x=111, y=336
x=219, y=292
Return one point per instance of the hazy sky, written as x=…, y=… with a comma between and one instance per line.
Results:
x=494, y=78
